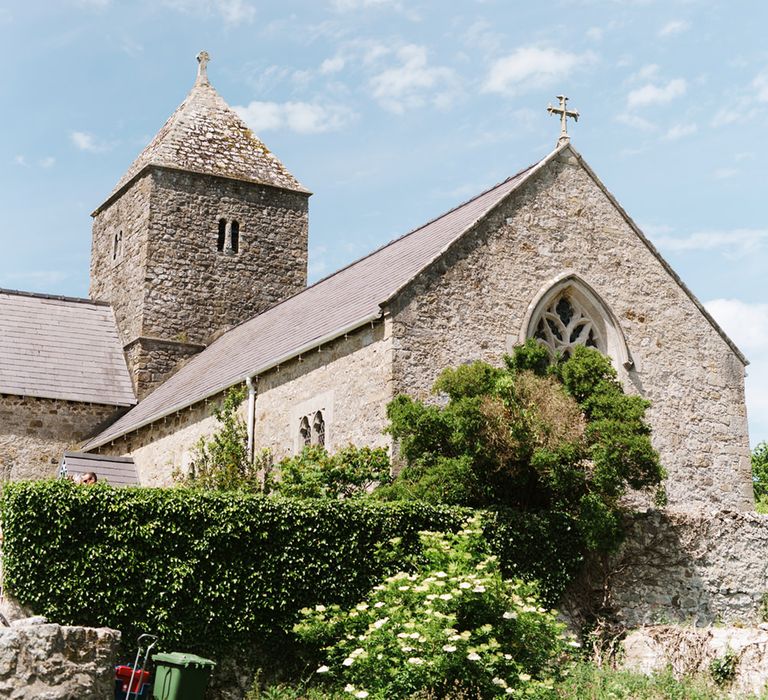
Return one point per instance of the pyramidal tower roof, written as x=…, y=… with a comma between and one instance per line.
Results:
x=205, y=135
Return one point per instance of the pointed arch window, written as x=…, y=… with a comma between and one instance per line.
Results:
x=305, y=432
x=318, y=429
x=221, y=239
x=568, y=313
x=564, y=323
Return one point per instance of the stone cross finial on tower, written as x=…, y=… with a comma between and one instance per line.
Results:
x=564, y=114
x=202, y=68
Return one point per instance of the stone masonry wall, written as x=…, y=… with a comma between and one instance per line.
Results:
x=120, y=281
x=34, y=433
x=169, y=281
x=472, y=303
x=193, y=290
x=52, y=662
x=698, y=568
x=349, y=379
x=152, y=361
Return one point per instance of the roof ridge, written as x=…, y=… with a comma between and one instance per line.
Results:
x=376, y=250
x=55, y=297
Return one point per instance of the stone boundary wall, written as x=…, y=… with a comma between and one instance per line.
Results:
x=698, y=568
x=40, y=660
x=688, y=650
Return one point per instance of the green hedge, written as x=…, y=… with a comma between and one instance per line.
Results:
x=211, y=571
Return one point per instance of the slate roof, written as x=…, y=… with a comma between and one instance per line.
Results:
x=115, y=471
x=61, y=348
x=205, y=135
x=339, y=303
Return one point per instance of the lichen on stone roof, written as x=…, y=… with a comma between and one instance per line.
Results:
x=205, y=135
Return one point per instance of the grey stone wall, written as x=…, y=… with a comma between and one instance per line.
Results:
x=121, y=281
x=153, y=360
x=349, y=379
x=699, y=568
x=472, y=303
x=51, y=662
x=35, y=432
x=171, y=283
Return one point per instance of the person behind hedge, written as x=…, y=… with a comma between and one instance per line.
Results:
x=88, y=478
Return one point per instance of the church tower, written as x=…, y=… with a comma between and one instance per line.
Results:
x=206, y=229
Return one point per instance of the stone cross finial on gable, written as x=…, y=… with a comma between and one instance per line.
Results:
x=564, y=114
x=202, y=68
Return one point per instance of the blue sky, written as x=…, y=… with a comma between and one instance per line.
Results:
x=392, y=111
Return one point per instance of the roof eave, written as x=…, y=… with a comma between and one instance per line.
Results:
x=95, y=443
x=120, y=190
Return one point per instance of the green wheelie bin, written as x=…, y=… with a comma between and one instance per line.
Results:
x=181, y=676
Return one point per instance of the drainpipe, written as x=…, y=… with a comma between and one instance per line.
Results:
x=251, y=384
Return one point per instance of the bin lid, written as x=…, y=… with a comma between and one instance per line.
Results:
x=186, y=660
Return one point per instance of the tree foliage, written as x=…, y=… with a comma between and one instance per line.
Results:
x=760, y=476
x=350, y=472
x=221, y=461
x=533, y=435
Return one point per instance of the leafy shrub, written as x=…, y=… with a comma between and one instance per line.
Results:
x=221, y=461
x=452, y=623
x=209, y=571
x=352, y=471
x=532, y=435
x=760, y=475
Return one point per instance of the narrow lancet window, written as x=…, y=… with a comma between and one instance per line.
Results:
x=305, y=433
x=234, y=236
x=222, y=237
x=318, y=429
x=117, y=245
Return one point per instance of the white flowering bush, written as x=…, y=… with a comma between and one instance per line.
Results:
x=451, y=623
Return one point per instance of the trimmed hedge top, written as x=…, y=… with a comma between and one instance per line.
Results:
x=213, y=571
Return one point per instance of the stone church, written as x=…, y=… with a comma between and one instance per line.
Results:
x=199, y=283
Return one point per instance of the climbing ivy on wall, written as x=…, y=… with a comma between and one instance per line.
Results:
x=212, y=571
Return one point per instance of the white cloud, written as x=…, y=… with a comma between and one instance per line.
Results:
x=747, y=325
x=301, y=117
x=414, y=82
x=736, y=243
x=676, y=26
x=396, y=5
x=760, y=83
x=332, y=65
x=530, y=65
x=646, y=72
x=725, y=173
x=231, y=11
x=21, y=160
x=595, y=33
x=680, y=131
x=87, y=142
x=635, y=121
x=47, y=162
x=652, y=94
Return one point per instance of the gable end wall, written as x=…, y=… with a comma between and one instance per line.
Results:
x=471, y=304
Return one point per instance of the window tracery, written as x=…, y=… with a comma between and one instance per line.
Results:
x=565, y=323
